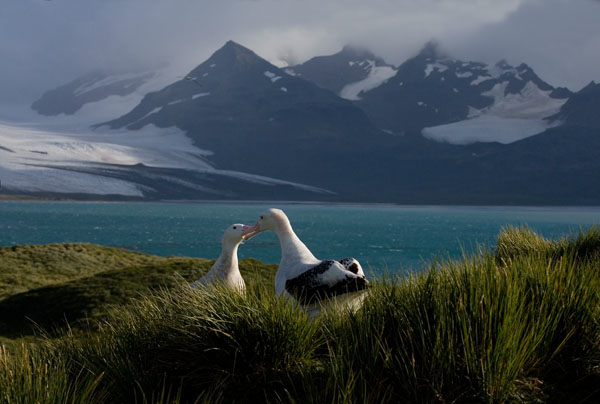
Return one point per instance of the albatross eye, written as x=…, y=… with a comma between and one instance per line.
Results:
x=262, y=217
x=234, y=227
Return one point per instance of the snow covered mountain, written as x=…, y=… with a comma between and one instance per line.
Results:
x=344, y=127
x=151, y=157
x=93, y=87
x=257, y=118
x=460, y=102
x=58, y=152
x=347, y=73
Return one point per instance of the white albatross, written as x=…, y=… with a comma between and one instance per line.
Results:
x=304, y=277
x=225, y=270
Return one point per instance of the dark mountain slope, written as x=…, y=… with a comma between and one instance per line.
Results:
x=334, y=72
x=93, y=87
x=560, y=166
x=582, y=108
x=432, y=89
x=256, y=118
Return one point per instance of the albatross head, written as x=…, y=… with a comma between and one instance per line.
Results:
x=233, y=234
x=271, y=219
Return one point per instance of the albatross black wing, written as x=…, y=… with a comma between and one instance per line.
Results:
x=352, y=265
x=325, y=280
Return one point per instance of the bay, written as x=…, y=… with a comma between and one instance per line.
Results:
x=385, y=238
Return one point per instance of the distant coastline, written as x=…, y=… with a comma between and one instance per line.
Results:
x=9, y=197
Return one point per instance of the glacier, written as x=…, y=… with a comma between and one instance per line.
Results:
x=377, y=76
x=511, y=117
x=63, y=154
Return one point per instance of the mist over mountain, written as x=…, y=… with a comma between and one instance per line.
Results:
x=46, y=43
x=351, y=127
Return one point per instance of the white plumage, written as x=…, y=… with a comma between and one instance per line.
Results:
x=225, y=270
x=300, y=274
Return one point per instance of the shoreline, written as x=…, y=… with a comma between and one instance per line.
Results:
x=42, y=199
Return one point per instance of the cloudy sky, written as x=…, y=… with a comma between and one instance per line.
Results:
x=45, y=43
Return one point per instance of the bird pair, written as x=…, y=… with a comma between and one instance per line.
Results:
x=300, y=275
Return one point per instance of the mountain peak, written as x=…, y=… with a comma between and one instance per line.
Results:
x=234, y=45
x=231, y=46
x=503, y=64
x=592, y=86
x=524, y=67
x=582, y=107
x=350, y=65
x=357, y=52
x=233, y=54
x=431, y=50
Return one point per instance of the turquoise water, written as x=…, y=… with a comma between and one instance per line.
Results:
x=390, y=238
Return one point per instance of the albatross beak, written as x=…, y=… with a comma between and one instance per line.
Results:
x=250, y=231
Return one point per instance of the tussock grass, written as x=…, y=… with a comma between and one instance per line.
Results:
x=514, y=242
x=520, y=324
x=35, y=375
x=472, y=332
x=204, y=340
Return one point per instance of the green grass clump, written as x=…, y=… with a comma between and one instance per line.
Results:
x=34, y=375
x=204, y=342
x=520, y=324
x=472, y=332
x=514, y=242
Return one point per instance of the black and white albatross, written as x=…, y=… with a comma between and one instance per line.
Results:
x=300, y=274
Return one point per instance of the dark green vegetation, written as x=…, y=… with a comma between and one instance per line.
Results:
x=518, y=324
x=51, y=285
x=27, y=267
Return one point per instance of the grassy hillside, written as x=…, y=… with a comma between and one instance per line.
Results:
x=26, y=267
x=50, y=286
x=520, y=324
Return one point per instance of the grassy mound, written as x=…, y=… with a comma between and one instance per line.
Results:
x=27, y=267
x=74, y=303
x=515, y=242
x=519, y=324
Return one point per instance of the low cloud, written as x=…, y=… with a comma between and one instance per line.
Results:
x=47, y=43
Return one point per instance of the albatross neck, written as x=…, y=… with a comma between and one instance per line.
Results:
x=292, y=248
x=228, y=258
